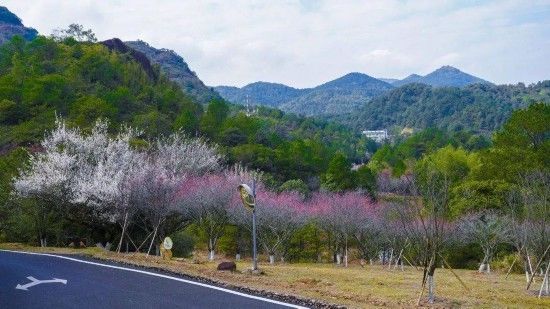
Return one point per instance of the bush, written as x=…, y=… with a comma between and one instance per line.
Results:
x=504, y=262
x=184, y=244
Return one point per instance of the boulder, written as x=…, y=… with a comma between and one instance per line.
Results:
x=231, y=266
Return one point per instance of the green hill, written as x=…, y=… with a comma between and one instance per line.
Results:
x=81, y=81
x=480, y=108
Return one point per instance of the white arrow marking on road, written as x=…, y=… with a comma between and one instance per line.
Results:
x=37, y=282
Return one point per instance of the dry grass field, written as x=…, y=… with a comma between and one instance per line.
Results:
x=354, y=287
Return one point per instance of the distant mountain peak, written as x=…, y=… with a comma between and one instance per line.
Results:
x=11, y=25
x=451, y=76
x=175, y=67
x=448, y=69
x=445, y=76
x=7, y=17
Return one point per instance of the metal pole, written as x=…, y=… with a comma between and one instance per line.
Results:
x=254, y=253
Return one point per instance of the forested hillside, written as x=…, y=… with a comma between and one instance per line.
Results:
x=481, y=108
x=84, y=81
x=339, y=96
x=260, y=93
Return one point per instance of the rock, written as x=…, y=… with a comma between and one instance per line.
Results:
x=231, y=266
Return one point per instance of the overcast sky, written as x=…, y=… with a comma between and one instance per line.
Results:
x=303, y=43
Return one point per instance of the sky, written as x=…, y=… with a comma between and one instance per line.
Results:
x=303, y=43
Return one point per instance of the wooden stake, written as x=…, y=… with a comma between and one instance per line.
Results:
x=410, y=262
x=536, y=267
x=511, y=266
x=452, y=271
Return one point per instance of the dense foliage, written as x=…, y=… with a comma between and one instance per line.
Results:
x=482, y=108
x=80, y=81
x=83, y=81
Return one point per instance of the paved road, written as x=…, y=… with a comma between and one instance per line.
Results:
x=98, y=285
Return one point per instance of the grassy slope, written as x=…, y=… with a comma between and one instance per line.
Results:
x=356, y=287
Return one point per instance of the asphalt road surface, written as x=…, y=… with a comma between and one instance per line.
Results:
x=29, y=280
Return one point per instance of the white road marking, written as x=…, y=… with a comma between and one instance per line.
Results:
x=35, y=281
x=163, y=276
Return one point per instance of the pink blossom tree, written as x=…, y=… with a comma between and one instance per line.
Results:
x=207, y=200
x=278, y=217
x=168, y=165
x=343, y=217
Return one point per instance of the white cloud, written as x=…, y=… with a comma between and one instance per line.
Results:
x=307, y=42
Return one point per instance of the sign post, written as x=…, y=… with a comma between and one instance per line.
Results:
x=248, y=197
x=254, y=257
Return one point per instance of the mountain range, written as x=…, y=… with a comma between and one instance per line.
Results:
x=340, y=96
x=446, y=98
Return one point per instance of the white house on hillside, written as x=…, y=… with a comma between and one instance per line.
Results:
x=376, y=135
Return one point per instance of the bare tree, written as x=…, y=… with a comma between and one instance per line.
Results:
x=424, y=217
x=488, y=229
x=75, y=31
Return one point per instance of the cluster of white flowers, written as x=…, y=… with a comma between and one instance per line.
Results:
x=109, y=174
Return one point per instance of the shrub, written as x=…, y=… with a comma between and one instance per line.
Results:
x=184, y=244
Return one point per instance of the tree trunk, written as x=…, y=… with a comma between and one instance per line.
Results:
x=431, y=289
x=211, y=253
x=271, y=259
x=346, y=254
x=338, y=258
x=431, y=283
x=544, y=285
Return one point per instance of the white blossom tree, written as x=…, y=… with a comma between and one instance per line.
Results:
x=52, y=173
